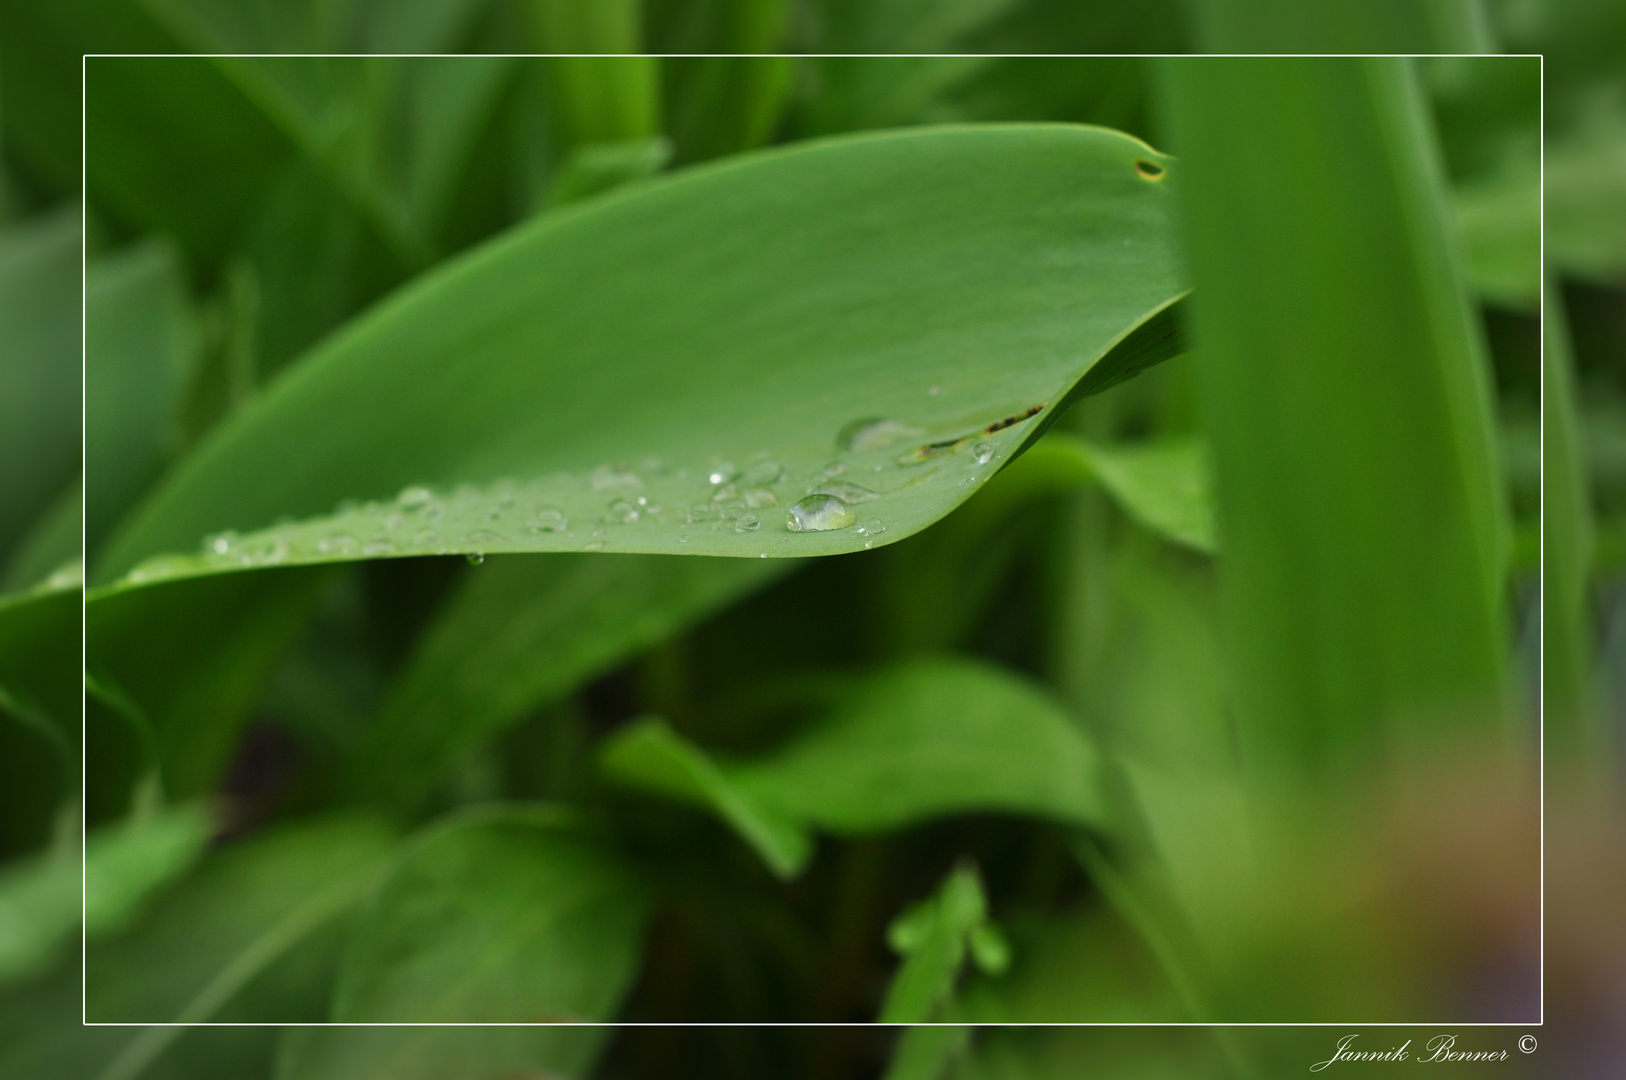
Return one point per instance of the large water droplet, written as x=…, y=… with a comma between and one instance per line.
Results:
x=874, y=433
x=819, y=513
x=845, y=491
x=984, y=452
x=549, y=519
x=747, y=523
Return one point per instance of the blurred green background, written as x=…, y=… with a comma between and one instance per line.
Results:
x=1296, y=778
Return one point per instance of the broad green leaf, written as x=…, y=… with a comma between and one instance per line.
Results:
x=497, y=915
x=141, y=344
x=916, y=741
x=516, y=409
x=1346, y=397
x=1165, y=486
x=934, y=937
x=39, y=380
x=192, y=660
x=519, y=633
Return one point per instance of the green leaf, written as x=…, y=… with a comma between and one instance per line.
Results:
x=141, y=344
x=39, y=381
x=1586, y=210
x=867, y=280
x=53, y=544
x=192, y=660
x=596, y=167
x=1165, y=486
x=1374, y=26
x=1500, y=218
x=126, y=863
x=916, y=741
x=521, y=632
x=497, y=915
x=39, y=907
x=1346, y=395
x=933, y=936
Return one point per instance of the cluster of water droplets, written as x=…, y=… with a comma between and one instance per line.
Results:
x=611, y=505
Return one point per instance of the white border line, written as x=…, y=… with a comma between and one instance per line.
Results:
x=84, y=194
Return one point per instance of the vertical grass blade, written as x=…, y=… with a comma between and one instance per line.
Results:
x=1345, y=389
x=1342, y=26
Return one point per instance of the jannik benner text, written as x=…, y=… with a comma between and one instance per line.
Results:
x=1439, y=1048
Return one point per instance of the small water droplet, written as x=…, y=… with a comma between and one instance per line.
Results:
x=747, y=523
x=394, y=521
x=984, y=452
x=873, y=527
x=759, y=497
x=830, y=471
x=593, y=545
x=483, y=536
x=845, y=491
x=379, y=545
x=819, y=513
x=934, y=391
x=764, y=470
x=336, y=542
x=428, y=538
x=874, y=433
x=548, y=519
x=414, y=497
x=725, y=493
x=721, y=473
x=682, y=539
x=698, y=513
x=475, y=558
x=869, y=543
x=621, y=512
x=762, y=554
x=221, y=542
x=733, y=511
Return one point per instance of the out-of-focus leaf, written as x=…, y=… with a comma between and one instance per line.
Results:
x=39, y=380
x=39, y=665
x=1585, y=200
x=498, y=915
x=39, y=906
x=597, y=167
x=1566, y=549
x=52, y=544
x=126, y=863
x=1332, y=310
x=920, y=740
x=519, y=633
x=933, y=936
x=1167, y=486
x=1375, y=26
x=193, y=659
x=1124, y=1053
x=415, y=26
x=1500, y=218
x=141, y=344
x=716, y=105
x=247, y=937
x=597, y=99
x=927, y=1051
x=517, y=362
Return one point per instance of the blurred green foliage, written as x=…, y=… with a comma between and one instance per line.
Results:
x=1216, y=703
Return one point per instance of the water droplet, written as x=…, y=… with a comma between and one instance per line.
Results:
x=830, y=471
x=379, y=545
x=763, y=470
x=869, y=544
x=733, y=511
x=984, y=452
x=549, y=519
x=475, y=558
x=873, y=527
x=221, y=542
x=394, y=521
x=682, y=539
x=273, y=555
x=336, y=542
x=433, y=511
x=748, y=523
x=621, y=512
x=934, y=391
x=847, y=492
x=593, y=545
x=819, y=513
x=762, y=554
x=721, y=473
x=483, y=536
x=698, y=513
x=725, y=493
x=428, y=538
x=874, y=433
x=413, y=498
x=613, y=478
x=759, y=497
